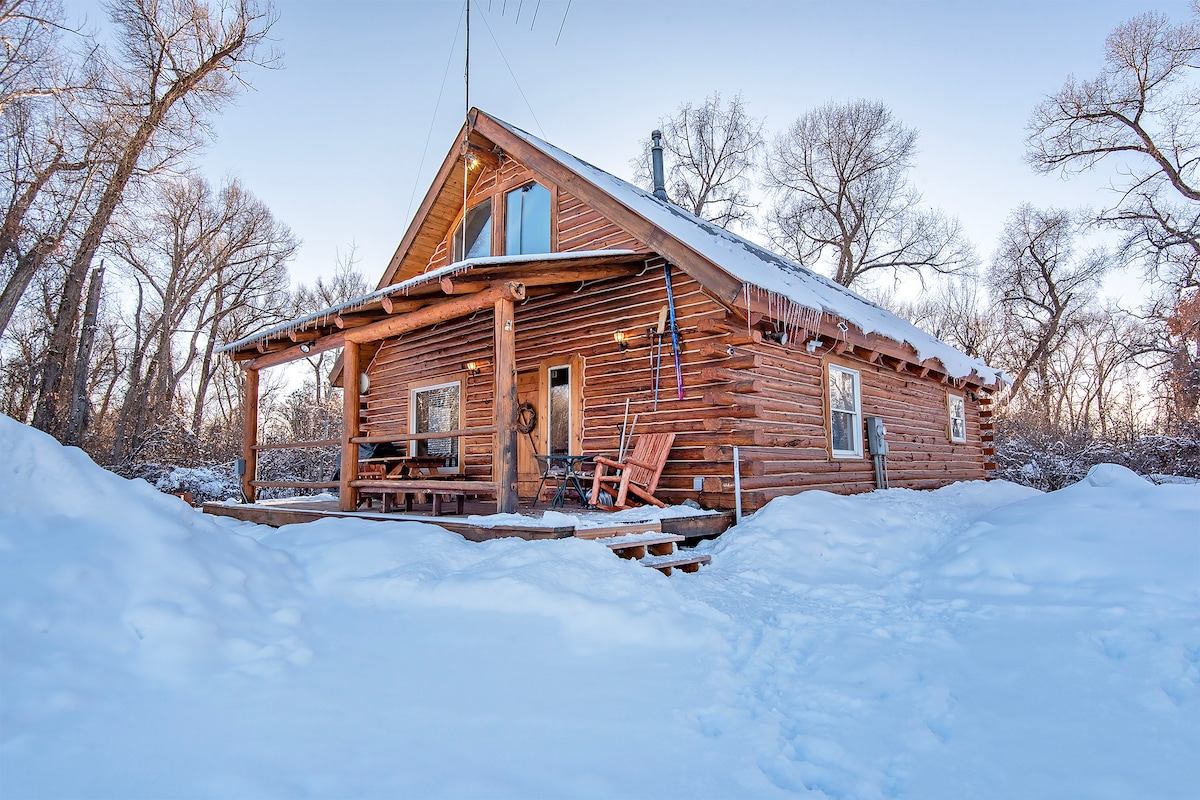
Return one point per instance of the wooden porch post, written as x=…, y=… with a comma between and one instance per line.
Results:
x=505, y=467
x=250, y=435
x=351, y=404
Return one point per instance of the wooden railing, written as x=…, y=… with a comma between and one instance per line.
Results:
x=297, y=445
x=257, y=484
x=397, y=436
x=401, y=436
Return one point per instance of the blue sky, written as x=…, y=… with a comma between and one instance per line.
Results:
x=333, y=140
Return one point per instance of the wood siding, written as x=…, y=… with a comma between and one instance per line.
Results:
x=767, y=398
x=739, y=389
x=574, y=226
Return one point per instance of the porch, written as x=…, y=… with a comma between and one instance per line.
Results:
x=478, y=521
x=477, y=373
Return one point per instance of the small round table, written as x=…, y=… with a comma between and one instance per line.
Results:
x=570, y=477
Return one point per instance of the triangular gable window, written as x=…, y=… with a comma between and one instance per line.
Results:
x=478, y=227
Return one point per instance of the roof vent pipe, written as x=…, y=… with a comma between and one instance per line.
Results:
x=656, y=160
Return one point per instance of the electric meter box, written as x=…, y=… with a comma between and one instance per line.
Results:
x=876, y=433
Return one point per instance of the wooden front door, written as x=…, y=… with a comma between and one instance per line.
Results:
x=528, y=474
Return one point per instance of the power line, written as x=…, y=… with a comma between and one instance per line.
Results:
x=516, y=82
x=564, y=22
x=433, y=120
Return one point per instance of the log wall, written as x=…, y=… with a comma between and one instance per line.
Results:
x=738, y=389
x=767, y=398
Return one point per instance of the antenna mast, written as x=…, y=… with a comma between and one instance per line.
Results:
x=467, y=120
x=467, y=97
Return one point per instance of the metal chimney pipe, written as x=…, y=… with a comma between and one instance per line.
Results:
x=656, y=159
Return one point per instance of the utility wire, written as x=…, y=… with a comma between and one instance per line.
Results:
x=433, y=121
x=564, y=22
x=514, y=76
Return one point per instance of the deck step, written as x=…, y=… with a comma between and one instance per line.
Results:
x=618, y=530
x=637, y=545
x=684, y=562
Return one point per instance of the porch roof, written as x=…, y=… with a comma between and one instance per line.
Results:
x=544, y=269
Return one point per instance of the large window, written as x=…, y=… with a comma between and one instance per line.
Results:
x=956, y=409
x=436, y=409
x=527, y=220
x=845, y=413
x=473, y=236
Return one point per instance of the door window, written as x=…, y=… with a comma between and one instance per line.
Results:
x=435, y=409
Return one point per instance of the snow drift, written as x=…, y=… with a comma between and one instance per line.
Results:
x=983, y=640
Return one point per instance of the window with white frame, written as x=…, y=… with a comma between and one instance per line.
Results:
x=436, y=409
x=845, y=413
x=956, y=408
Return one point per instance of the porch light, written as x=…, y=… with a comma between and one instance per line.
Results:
x=622, y=342
x=473, y=367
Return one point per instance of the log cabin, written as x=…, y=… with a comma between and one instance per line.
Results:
x=539, y=305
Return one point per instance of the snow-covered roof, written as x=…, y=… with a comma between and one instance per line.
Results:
x=404, y=287
x=762, y=270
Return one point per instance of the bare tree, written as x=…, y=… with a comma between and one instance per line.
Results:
x=32, y=61
x=711, y=154
x=957, y=313
x=194, y=260
x=839, y=176
x=42, y=81
x=179, y=59
x=248, y=259
x=1040, y=280
x=346, y=284
x=1139, y=115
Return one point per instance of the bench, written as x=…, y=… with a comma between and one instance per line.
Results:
x=392, y=489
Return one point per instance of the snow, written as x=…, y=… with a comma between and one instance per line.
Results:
x=758, y=267
x=981, y=640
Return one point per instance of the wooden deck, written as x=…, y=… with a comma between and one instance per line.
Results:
x=300, y=510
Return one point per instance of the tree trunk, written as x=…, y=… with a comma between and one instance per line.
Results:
x=77, y=421
x=68, y=309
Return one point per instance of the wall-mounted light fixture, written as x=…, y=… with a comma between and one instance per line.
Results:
x=304, y=348
x=621, y=340
x=778, y=337
x=473, y=367
x=812, y=345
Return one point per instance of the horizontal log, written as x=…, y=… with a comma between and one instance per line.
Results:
x=461, y=433
x=717, y=350
x=298, y=445
x=439, y=312
x=434, y=486
x=294, y=484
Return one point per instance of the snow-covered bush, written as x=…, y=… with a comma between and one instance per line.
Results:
x=1048, y=458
